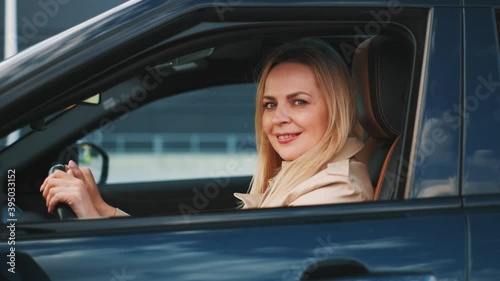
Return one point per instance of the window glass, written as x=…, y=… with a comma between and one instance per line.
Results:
x=481, y=168
x=433, y=170
x=190, y=135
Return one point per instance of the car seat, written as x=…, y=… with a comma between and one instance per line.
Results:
x=381, y=72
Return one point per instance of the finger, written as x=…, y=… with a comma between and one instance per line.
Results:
x=54, y=197
x=56, y=174
x=54, y=183
x=76, y=198
x=56, y=200
x=77, y=173
x=42, y=187
x=64, y=195
x=89, y=177
x=46, y=187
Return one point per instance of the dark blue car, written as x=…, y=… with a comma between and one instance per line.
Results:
x=157, y=97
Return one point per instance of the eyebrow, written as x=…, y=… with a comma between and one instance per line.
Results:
x=289, y=96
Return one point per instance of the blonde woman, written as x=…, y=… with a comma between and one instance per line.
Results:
x=304, y=121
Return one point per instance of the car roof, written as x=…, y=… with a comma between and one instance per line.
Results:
x=27, y=80
x=43, y=54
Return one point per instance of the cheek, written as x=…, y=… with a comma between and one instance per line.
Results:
x=319, y=122
x=266, y=123
x=324, y=119
x=322, y=129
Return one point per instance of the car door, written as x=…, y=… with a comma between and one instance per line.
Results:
x=481, y=172
x=420, y=238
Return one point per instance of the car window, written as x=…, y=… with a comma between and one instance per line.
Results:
x=482, y=111
x=434, y=164
x=190, y=135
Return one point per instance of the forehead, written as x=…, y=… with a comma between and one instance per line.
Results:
x=291, y=77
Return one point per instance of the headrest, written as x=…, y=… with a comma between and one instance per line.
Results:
x=381, y=71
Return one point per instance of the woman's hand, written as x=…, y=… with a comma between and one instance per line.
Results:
x=85, y=175
x=78, y=189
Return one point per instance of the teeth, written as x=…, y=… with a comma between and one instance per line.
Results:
x=282, y=137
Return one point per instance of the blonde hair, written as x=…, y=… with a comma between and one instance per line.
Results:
x=335, y=81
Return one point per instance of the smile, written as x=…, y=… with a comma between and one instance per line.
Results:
x=286, y=138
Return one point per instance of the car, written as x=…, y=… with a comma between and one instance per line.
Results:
x=157, y=97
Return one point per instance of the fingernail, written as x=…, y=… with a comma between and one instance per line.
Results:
x=41, y=187
x=72, y=164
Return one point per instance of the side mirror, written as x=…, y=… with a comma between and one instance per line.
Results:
x=89, y=155
x=95, y=158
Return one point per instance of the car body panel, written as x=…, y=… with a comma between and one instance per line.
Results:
x=259, y=245
x=483, y=215
x=481, y=154
x=484, y=3
x=481, y=163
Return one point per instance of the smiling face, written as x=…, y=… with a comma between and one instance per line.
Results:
x=295, y=116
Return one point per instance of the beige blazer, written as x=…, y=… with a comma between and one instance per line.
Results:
x=344, y=180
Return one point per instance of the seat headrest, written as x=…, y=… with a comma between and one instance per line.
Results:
x=381, y=71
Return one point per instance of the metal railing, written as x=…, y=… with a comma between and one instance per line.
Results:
x=181, y=142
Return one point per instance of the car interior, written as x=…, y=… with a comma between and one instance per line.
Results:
x=385, y=67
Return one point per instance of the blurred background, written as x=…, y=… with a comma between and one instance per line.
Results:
x=40, y=19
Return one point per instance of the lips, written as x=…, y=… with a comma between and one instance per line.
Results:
x=287, y=137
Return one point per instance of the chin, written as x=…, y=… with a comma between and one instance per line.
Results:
x=288, y=157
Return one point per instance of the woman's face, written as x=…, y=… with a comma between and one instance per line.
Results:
x=295, y=114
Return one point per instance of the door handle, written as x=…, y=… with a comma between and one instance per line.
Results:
x=351, y=270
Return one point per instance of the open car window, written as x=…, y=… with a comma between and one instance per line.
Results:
x=195, y=134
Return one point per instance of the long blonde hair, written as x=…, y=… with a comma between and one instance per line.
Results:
x=335, y=81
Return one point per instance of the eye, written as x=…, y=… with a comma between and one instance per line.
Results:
x=300, y=102
x=269, y=105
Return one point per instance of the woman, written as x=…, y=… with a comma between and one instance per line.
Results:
x=304, y=120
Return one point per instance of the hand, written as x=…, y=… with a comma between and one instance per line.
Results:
x=82, y=192
x=85, y=175
x=61, y=187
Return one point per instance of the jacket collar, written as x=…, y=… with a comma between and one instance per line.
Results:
x=250, y=200
x=351, y=147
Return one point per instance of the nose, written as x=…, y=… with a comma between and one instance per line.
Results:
x=281, y=115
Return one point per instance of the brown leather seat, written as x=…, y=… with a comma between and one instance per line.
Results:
x=381, y=71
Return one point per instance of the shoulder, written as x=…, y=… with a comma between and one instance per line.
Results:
x=341, y=182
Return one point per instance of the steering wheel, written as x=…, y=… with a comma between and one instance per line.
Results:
x=63, y=211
